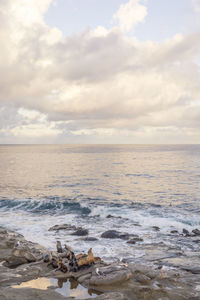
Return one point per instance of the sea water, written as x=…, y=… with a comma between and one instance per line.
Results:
x=128, y=188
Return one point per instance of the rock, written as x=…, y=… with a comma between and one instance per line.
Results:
x=174, y=231
x=186, y=232
x=3, y=230
x=24, y=252
x=141, y=278
x=84, y=278
x=13, y=262
x=20, y=256
x=111, y=296
x=62, y=227
x=124, y=236
x=156, y=228
x=111, y=234
x=196, y=231
x=80, y=232
x=111, y=274
x=90, y=239
x=109, y=216
x=135, y=240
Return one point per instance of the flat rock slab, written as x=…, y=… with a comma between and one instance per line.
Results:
x=185, y=263
x=30, y=294
x=110, y=296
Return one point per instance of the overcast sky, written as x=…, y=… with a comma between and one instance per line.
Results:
x=100, y=71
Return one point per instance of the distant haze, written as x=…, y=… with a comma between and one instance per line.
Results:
x=100, y=71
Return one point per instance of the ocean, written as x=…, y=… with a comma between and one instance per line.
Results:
x=128, y=188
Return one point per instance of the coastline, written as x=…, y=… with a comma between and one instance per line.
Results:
x=118, y=280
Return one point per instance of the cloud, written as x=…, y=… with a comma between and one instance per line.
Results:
x=94, y=84
x=196, y=6
x=130, y=14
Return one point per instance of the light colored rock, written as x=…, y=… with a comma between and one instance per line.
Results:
x=110, y=275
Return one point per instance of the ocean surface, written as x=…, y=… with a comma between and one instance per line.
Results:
x=139, y=186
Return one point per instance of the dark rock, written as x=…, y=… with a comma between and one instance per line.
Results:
x=62, y=227
x=135, y=240
x=80, y=232
x=132, y=242
x=186, y=232
x=124, y=236
x=174, y=231
x=111, y=234
x=156, y=228
x=196, y=231
x=109, y=216
x=90, y=239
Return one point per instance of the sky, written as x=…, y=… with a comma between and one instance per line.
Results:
x=100, y=71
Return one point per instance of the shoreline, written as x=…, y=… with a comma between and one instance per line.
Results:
x=116, y=281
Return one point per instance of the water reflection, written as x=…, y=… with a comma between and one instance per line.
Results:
x=71, y=288
x=66, y=287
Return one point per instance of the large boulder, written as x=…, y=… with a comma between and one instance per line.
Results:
x=111, y=234
x=80, y=232
x=109, y=275
x=20, y=256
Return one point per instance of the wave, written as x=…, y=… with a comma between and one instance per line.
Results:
x=46, y=206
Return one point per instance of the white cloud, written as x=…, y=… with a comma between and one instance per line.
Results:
x=196, y=6
x=130, y=14
x=94, y=84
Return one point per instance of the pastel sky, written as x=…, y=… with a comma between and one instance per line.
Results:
x=100, y=71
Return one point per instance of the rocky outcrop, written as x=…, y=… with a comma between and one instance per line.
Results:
x=116, y=281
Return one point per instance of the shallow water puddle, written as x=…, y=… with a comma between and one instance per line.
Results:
x=71, y=288
x=67, y=287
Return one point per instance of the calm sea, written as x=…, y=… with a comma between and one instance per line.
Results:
x=140, y=186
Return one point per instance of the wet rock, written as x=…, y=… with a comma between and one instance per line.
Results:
x=111, y=234
x=110, y=275
x=186, y=232
x=90, y=239
x=80, y=232
x=156, y=228
x=124, y=236
x=109, y=216
x=174, y=231
x=135, y=240
x=196, y=231
x=62, y=227
x=84, y=278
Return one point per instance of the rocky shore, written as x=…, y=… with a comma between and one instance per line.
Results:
x=27, y=272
